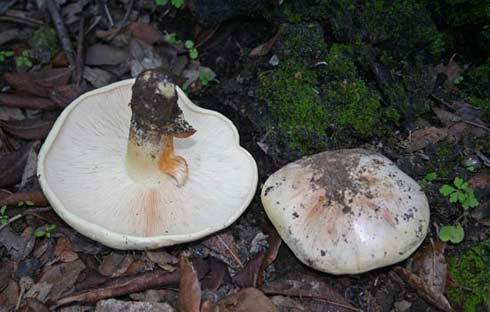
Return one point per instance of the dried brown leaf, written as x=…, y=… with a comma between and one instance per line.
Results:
x=247, y=300
x=62, y=276
x=480, y=180
x=103, y=54
x=224, y=245
x=447, y=118
x=12, y=165
x=64, y=95
x=189, y=287
x=217, y=273
x=451, y=70
x=264, y=48
x=163, y=259
x=28, y=129
x=18, y=246
x=27, y=102
x=423, y=137
x=39, y=83
x=249, y=276
x=145, y=33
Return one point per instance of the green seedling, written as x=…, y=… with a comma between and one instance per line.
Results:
x=206, y=77
x=23, y=61
x=26, y=203
x=451, y=233
x=45, y=231
x=172, y=39
x=176, y=3
x=3, y=215
x=430, y=177
x=189, y=45
x=461, y=192
x=5, y=54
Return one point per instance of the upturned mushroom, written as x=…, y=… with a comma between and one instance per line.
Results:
x=123, y=167
x=347, y=211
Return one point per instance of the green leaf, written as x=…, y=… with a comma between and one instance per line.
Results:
x=29, y=203
x=161, y=2
x=453, y=198
x=472, y=202
x=193, y=54
x=461, y=197
x=431, y=176
x=20, y=204
x=458, y=182
x=51, y=227
x=9, y=53
x=3, y=220
x=177, y=3
x=446, y=190
x=3, y=209
x=39, y=233
x=453, y=234
x=189, y=44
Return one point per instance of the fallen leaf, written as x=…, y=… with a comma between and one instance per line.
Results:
x=96, y=76
x=429, y=276
x=39, y=291
x=447, y=118
x=264, y=48
x=11, y=113
x=103, y=54
x=27, y=102
x=189, y=287
x=64, y=250
x=12, y=165
x=62, y=276
x=423, y=137
x=111, y=263
x=142, y=56
x=18, y=246
x=451, y=70
x=308, y=287
x=247, y=300
x=250, y=274
x=145, y=33
x=6, y=272
x=37, y=198
x=39, y=83
x=287, y=304
x=217, y=273
x=480, y=180
x=8, y=297
x=33, y=305
x=64, y=95
x=28, y=129
x=274, y=241
x=225, y=248
x=163, y=259
x=111, y=305
x=467, y=111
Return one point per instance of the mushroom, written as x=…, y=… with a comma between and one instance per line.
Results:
x=123, y=167
x=346, y=211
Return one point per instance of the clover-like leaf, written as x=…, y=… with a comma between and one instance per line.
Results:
x=458, y=182
x=453, y=234
x=446, y=189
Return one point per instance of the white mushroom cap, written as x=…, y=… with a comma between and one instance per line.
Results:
x=83, y=172
x=346, y=211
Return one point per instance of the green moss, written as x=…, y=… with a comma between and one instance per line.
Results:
x=44, y=43
x=314, y=108
x=471, y=272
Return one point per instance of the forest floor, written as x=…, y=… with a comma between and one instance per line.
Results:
x=374, y=86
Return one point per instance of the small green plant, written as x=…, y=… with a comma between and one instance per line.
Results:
x=429, y=178
x=451, y=233
x=5, y=54
x=206, y=77
x=45, y=231
x=172, y=39
x=461, y=192
x=189, y=45
x=27, y=203
x=23, y=61
x=176, y=3
x=3, y=215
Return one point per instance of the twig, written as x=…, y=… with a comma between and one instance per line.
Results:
x=107, y=13
x=233, y=255
x=475, y=124
x=123, y=286
x=79, y=64
x=21, y=20
x=61, y=30
x=13, y=219
x=123, y=21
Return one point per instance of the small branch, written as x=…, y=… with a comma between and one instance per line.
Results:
x=11, y=220
x=475, y=124
x=61, y=30
x=107, y=13
x=122, y=23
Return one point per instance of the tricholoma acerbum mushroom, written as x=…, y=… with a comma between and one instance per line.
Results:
x=347, y=211
x=123, y=167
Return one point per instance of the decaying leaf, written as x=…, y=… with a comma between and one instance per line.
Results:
x=145, y=33
x=12, y=165
x=247, y=300
x=225, y=248
x=163, y=259
x=249, y=276
x=62, y=276
x=28, y=129
x=39, y=83
x=423, y=137
x=429, y=276
x=451, y=70
x=189, y=287
x=18, y=246
x=264, y=48
x=103, y=54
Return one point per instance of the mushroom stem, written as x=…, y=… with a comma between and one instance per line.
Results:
x=175, y=166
